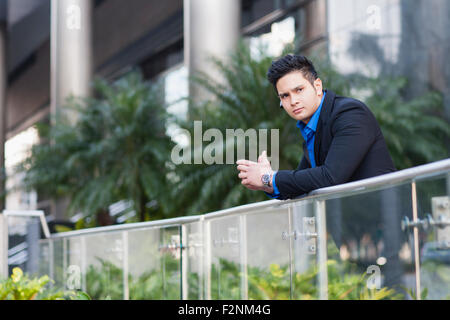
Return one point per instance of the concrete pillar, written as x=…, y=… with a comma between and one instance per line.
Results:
x=211, y=28
x=71, y=50
x=71, y=60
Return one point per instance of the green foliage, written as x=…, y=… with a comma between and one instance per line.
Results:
x=415, y=130
x=274, y=283
x=225, y=280
x=105, y=282
x=270, y=284
x=105, y=149
x=435, y=274
x=21, y=287
x=413, y=293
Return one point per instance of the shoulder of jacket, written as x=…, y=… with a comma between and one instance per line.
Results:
x=344, y=104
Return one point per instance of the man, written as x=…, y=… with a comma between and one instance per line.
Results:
x=342, y=139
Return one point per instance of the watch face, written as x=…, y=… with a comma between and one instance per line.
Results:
x=265, y=178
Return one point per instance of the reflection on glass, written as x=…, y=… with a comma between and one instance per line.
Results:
x=44, y=258
x=268, y=268
x=367, y=247
x=273, y=43
x=304, y=255
x=193, y=263
x=226, y=268
x=58, y=263
x=170, y=252
x=145, y=279
x=75, y=267
x=104, y=259
x=434, y=236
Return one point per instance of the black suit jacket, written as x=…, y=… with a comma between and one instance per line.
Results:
x=348, y=146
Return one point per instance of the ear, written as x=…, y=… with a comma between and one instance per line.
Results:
x=318, y=86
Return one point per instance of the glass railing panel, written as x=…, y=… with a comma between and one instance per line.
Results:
x=193, y=266
x=75, y=265
x=23, y=243
x=144, y=264
x=369, y=256
x=170, y=255
x=58, y=263
x=44, y=258
x=382, y=242
x=224, y=258
x=267, y=263
x=303, y=239
x=433, y=208
x=104, y=265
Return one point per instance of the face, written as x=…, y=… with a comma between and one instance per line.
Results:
x=299, y=97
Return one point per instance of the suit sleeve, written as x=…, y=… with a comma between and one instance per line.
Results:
x=353, y=131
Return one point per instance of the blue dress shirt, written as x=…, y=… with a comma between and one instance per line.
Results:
x=308, y=132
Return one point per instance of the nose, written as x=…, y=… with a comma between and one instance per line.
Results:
x=295, y=99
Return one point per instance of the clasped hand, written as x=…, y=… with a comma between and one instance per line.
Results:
x=250, y=173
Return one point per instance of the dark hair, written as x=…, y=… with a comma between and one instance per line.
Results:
x=289, y=63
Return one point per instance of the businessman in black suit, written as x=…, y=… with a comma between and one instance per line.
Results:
x=342, y=139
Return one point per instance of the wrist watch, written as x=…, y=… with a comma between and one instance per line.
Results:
x=266, y=179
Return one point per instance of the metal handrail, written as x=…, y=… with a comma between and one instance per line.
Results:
x=127, y=226
x=30, y=213
x=390, y=178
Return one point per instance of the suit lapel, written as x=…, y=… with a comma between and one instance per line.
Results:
x=324, y=115
x=306, y=153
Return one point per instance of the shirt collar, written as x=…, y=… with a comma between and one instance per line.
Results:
x=312, y=124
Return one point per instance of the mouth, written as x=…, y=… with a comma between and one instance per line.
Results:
x=298, y=110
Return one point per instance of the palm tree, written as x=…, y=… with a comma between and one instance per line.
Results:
x=415, y=130
x=116, y=149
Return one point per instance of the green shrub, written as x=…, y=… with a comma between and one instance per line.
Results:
x=20, y=286
x=274, y=283
x=105, y=282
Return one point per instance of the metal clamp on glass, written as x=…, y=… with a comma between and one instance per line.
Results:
x=285, y=235
x=295, y=234
x=170, y=246
x=426, y=223
x=222, y=242
x=442, y=222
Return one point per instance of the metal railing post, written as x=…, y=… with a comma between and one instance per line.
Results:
x=320, y=213
x=416, y=240
x=207, y=260
x=184, y=263
x=243, y=256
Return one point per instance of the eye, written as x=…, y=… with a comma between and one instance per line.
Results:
x=283, y=96
x=299, y=89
